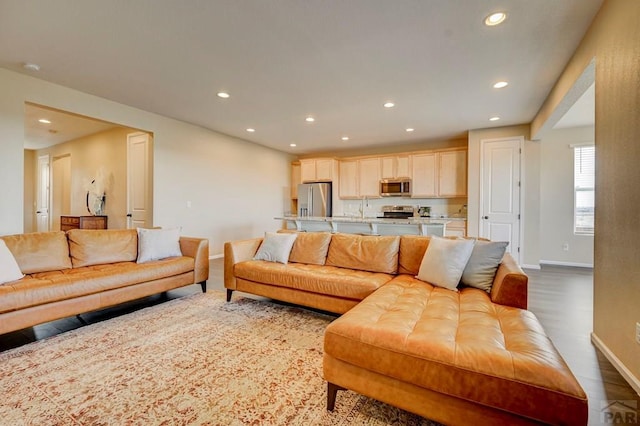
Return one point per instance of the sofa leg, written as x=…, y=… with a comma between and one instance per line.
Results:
x=229, y=291
x=203, y=284
x=332, y=390
x=81, y=320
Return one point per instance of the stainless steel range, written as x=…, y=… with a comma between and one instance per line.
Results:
x=397, y=212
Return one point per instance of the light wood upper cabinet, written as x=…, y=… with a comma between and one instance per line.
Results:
x=393, y=167
x=424, y=175
x=441, y=174
x=295, y=179
x=317, y=169
x=369, y=177
x=452, y=177
x=348, y=183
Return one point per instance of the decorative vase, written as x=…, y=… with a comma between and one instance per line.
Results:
x=98, y=206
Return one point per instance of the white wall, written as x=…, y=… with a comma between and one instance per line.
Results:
x=556, y=204
x=236, y=187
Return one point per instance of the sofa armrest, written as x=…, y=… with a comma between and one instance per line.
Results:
x=236, y=252
x=198, y=248
x=510, y=285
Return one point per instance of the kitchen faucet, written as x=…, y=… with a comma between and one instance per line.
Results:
x=362, y=206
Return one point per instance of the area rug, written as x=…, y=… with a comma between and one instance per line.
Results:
x=196, y=360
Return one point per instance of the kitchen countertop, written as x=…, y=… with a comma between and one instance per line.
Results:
x=377, y=220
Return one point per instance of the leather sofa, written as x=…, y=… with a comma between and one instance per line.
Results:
x=84, y=270
x=456, y=357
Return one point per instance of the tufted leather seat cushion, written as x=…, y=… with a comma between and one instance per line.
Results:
x=53, y=286
x=340, y=282
x=460, y=344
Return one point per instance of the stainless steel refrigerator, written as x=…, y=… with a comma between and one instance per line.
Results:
x=314, y=199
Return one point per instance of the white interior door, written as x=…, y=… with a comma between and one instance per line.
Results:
x=60, y=189
x=500, y=192
x=139, y=188
x=42, y=197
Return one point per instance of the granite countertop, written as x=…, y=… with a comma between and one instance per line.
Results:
x=351, y=219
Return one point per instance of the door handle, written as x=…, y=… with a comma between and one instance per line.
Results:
x=486, y=217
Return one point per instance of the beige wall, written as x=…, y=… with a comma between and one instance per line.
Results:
x=613, y=41
x=557, y=196
x=107, y=150
x=530, y=189
x=236, y=187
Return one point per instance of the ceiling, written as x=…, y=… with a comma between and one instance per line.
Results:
x=283, y=60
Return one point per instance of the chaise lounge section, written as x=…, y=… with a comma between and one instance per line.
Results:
x=456, y=357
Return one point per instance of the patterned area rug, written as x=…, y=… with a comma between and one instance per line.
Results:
x=190, y=361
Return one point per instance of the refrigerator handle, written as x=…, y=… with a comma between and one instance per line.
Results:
x=310, y=199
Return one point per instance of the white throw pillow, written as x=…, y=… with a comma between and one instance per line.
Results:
x=483, y=264
x=444, y=260
x=156, y=244
x=276, y=247
x=9, y=269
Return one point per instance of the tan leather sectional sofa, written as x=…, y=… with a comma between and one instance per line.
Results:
x=84, y=270
x=462, y=357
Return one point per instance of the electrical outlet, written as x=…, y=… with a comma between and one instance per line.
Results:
x=565, y=247
x=638, y=333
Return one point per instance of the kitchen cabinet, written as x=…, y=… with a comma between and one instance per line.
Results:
x=317, y=169
x=394, y=167
x=452, y=174
x=359, y=178
x=369, y=177
x=295, y=180
x=439, y=174
x=348, y=182
x=456, y=228
x=424, y=176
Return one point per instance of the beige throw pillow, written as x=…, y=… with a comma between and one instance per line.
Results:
x=275, y=247
x=444, y=261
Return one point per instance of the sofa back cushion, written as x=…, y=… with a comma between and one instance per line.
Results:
x=364, y=252
x=412, y=249
x=95, y=247
x=39, y=251
x=310, y=248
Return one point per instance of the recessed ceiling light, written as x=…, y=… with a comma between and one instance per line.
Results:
x=44, y=121
x=224, y=95
x=293, y=145
x=31, y=67
x=495, y=19
x=345, y=138
x=251, y=130
x=494, y=118
x=389, y=105
x=500, y=85
x=409, y=129
x=309, y=119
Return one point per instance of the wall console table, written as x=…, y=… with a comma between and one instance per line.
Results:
x=82, y=222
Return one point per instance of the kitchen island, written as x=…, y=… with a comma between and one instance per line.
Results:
x=367, y=225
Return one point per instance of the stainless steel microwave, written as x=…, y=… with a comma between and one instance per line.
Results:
x=395, y=188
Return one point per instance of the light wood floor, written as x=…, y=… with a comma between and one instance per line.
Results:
x=561, y=298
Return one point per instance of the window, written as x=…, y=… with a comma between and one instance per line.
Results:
x=584, y=188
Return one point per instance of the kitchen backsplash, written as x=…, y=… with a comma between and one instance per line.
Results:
x=373, y=207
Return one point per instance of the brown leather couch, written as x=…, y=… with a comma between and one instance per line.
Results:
x=84, y=270
x=455, y=357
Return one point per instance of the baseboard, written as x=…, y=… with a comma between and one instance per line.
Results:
x=576, y=264
x=624, y=371
x=216, y=256
x=524, y=266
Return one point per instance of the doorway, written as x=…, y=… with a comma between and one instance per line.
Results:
x=60, y=189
